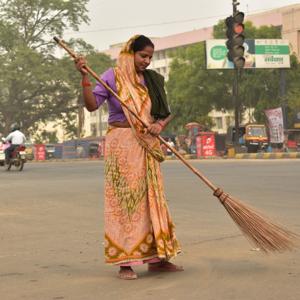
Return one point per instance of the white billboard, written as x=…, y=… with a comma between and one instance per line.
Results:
x=275, y=124
x=260, y=53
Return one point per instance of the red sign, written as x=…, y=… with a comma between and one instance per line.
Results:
x=40, y=152
x=206, y=145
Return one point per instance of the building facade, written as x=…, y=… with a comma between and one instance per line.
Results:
x=288, y=18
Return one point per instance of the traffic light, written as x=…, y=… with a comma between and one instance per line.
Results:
x=234, y=33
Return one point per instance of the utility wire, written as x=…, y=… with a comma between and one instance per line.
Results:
x=158, y=24
x=145, y=25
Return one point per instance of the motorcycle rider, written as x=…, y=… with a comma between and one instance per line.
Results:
x=16, y=138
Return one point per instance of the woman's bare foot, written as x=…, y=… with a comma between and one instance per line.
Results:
x=164, y=266
x=127, y=273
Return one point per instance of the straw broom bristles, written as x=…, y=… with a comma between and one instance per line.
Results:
x=259, y=230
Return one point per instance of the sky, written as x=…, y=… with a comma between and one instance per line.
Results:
x=115, y=21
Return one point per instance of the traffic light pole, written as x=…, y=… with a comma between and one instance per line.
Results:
x=235, y=46
x=234, y=6
x=235, y=94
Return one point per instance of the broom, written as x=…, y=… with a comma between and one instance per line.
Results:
x=259, y=230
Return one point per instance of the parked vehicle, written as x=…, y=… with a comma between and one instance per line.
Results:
x=94, y=150
x=293, y=139
x=253, y=137
x=256, y=138
x=50, y=151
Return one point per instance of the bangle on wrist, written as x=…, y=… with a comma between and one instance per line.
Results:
x=159, y=123
x=85, y=83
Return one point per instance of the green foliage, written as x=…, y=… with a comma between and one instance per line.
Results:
x=293, y=90
x=194, y=91
x=46, y=137
x=99, y=62
x=32, y=22
x=35, y=86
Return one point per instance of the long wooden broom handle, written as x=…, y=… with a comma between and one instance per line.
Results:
x=90, y=71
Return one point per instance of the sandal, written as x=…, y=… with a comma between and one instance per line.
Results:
x=127, y=273
x=164, y=266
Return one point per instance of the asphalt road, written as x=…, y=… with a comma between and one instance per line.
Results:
x=51, y=229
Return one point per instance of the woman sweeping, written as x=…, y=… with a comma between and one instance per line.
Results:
x=138, y=226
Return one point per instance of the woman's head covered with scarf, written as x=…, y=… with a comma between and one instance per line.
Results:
x=137, y=43
x=137, y=52
x=132, y=62
x=134, y=59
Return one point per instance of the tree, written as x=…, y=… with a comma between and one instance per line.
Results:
x=259, y=88
x=194, y=91
x=35, y=86
x=74, y=121
x=293, y=90
x=32, y=89
x=46, y=137
x=32, y=22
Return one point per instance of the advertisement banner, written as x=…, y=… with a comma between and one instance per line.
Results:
x=272, y=54
x=206, y=145
x=40, y=152
x=267, y=53
x=275, y=124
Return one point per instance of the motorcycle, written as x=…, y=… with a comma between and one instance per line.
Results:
x=17, y=159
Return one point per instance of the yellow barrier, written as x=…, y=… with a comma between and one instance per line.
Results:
x=231, y=153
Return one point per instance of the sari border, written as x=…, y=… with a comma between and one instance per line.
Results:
x=117, y=261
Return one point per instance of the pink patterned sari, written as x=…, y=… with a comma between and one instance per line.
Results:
x=138, y=226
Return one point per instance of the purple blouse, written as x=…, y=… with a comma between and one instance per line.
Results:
x=115, y=110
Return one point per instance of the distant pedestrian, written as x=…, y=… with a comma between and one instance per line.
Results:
x=170, y=143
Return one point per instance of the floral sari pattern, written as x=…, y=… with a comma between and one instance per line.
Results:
x=138, y=225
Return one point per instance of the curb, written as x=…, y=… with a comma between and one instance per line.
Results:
x=267, y=155
x=193, y=156
x=64, y=160
x=282, y=155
